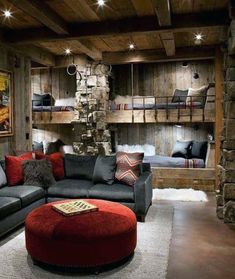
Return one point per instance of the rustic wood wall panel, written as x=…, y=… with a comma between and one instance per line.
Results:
x=62, y=85
x=162, y=136
x=160, y=79
x=21, y=103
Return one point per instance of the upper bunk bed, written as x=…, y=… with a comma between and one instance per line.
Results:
x=46, y=110
x=193, y=105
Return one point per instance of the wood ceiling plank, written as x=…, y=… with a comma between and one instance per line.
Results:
x=168, y=42
x=82, y=9
x=143, y=8
x=43, y=13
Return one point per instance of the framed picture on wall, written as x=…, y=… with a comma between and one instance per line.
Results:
x=6, y=104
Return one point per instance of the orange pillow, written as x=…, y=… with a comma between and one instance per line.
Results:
x=57, y=162
x=14, y=168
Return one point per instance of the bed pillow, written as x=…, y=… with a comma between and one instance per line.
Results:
x=77, y=166
x=128, y=167
x=182, y=149
x=37, y=146
x=198, y=95
x=65, y=102
x=38, y=173
x=180, y=96
x=104, y=171
x=53, y=147
x=14, y=168
x=57, y=162
x=43, y=100
x=199, y=149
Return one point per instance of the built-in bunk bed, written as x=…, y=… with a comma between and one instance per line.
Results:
x=190, y=105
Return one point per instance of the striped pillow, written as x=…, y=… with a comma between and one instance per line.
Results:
x=128, y=167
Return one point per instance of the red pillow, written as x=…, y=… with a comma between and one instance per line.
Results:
x=57, y=162
x=14, y=168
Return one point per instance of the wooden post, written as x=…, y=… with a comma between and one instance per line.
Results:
x=218, y=107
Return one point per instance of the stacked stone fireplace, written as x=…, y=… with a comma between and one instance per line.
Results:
x=226, y=169
x=91, y=134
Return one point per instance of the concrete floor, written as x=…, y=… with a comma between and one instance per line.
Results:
x=202, y=245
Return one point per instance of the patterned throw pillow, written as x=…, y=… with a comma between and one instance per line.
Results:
x=128, y=167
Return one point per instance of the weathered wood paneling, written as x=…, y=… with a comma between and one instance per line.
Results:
x=21, y=140
x=160, y=79
x=62, y=85
x=162, y=136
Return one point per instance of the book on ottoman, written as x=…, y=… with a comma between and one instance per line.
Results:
x=74, y=207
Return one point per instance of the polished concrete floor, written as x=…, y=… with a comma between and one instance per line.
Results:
x=202, y=246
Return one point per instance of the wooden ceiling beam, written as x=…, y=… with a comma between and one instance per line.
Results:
x=150, y=56
x=128, y=26
x=163, y=11
x=42, y=13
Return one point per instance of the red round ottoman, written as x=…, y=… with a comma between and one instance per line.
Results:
x=87, y=240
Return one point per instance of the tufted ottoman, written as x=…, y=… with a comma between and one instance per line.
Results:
x=88, y=240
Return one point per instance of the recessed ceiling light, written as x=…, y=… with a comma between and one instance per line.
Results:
x=101, y=2
x=131, y=46
x=7, y=13
x=67, y=51
x=198, y=36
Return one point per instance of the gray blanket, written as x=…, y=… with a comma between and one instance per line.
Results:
x=173, y=162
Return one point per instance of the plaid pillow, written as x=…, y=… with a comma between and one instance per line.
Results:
x=128, y=167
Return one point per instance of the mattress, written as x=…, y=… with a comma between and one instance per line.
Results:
x=180, y=105
x=52, y=108
x=173, y=162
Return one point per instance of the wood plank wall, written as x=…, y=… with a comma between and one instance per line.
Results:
x=160, y=79
x=21, y=103
x=63, y=86
x=162, y=136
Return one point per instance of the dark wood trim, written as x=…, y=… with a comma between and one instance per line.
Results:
x=149, y=56
x=126, y=26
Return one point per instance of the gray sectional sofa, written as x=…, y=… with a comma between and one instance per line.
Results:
x=17, y=201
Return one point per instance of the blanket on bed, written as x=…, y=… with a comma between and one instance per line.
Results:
x=173, y=162
x=52, y=108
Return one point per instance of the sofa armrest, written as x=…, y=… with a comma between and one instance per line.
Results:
x=143, y=193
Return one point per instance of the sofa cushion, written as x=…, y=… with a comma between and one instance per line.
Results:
x=8, y=206
x=104, y=171
x=115, y=192
x=70, y=188
x=79, y=166
x=38, y=173
x=14, y=168
x=128, y=167
x=57, y=162
x=26, y=194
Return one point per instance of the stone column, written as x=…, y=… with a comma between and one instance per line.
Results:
x=91, y=133
x=226, y=169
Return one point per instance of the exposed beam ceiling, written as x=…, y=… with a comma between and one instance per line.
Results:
x=42, y=13
x=150, y=56
x=128, y=26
